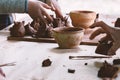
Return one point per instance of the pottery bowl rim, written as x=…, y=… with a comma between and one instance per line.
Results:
x=82, y=11
x=68, y=30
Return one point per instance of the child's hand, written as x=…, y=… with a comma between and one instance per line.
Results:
x=113, y=33
x=36, y=9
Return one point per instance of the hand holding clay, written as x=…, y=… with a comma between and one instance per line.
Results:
x=113, y=34
x=36, y=9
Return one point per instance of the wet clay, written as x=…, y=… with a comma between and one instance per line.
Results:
x=18, y=29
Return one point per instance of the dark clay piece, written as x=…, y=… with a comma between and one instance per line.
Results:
x=108, y=71
x=46, y=63
x=116, y=61
x=103, y=47
x=117, y=22
x=71, y=71
x=29, y=30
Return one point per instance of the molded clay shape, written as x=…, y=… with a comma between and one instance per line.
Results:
x=82, y=19
x=68, y=37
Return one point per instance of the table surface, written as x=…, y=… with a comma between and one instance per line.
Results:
x=29, y=56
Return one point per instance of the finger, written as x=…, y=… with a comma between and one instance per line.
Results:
x=114, y=48
x=52, y=7
x=57, y=9
x=104, y=39
x=106, y=27
x=96, y=33
x=46, y=14
x=96, y=24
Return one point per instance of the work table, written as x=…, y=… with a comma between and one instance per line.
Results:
x=28, y=57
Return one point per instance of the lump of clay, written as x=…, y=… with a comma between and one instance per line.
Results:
x=108, y=71
x=103, y=47
x=116, y=61
x=117, y=22
x=71, y=71
x=18, y=29
x=46, y=63
x=44, y=30
x=35, y=24
x=44, y=27
x=30, y=30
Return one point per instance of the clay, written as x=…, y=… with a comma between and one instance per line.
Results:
x=71, y=71
x=103, y=47
x=86, y=63
x=108, y=71
x=44, y=28
x=18, y=29
x=117, y=22
x=37, y=28
x=29, y=30
x=68, y=37
x=58, y=22
x=35, y=24
x=82, y=18
x=46, y=63
x=116, y=61
x=44, y=31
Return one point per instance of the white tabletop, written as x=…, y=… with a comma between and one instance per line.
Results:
x=29, y=55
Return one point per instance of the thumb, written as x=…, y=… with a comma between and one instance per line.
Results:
x=96, y=33
x=114, y=48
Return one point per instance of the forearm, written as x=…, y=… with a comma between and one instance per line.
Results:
x=13, y=6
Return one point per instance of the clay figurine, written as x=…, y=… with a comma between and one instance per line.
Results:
x=30, y=30
x=18, y=29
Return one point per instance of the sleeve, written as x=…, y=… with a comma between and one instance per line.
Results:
x=13, y=6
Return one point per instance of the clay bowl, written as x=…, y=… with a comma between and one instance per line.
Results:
x=68, y=37
x=82, y=19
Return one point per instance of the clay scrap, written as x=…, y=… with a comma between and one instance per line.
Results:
x=46, y=63
x=108, y=71
x=103, y=47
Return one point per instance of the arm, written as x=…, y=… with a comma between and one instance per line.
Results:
x=13, y=6
x=34, y=8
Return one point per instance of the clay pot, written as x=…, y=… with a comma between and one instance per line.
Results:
x=82, y=19
x=68, y=37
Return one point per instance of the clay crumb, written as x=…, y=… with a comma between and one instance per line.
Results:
x=86, y=63
x=116, y=61
x=71, y=71
x=46, y=63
